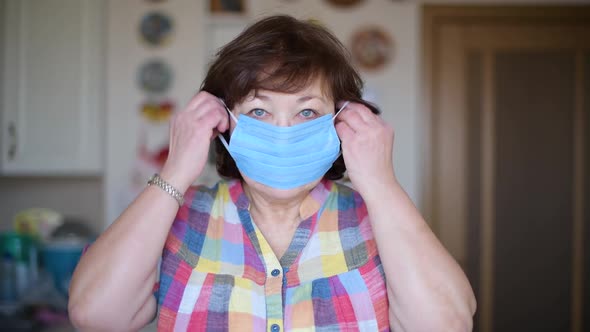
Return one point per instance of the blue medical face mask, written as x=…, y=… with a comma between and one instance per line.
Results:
x=284, y=157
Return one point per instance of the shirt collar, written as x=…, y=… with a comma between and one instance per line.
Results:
x=310, y=205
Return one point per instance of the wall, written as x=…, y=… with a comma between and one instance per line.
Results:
x=396, y=88
x=80, y=198
x=185, y=52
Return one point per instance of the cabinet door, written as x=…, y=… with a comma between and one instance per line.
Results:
x=52, y=80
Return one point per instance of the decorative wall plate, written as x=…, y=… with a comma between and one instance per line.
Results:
x=227, y=6
x=372, y=48
x=156, y=28
x=154, y=76
x=157, y=112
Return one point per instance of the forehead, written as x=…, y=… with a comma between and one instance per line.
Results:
x=316, y=88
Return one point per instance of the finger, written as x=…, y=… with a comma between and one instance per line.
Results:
x=214, y=134
x=364, y=112
x=219, y=120
x=341, y=103
x=344, y=131
x=352, y=119
x=205, y=107
x=201, y=99
x=224, y=123
x=226, y=120
x=213, y=118
x=217, y=108
x=196, y=101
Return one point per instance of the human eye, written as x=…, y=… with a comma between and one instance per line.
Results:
x=308, y=113
x=257, y=113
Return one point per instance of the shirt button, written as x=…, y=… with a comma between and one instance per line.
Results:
x=275, y=327
x=275, y=273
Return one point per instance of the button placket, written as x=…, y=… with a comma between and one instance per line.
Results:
x=274, y=301
x=273, y=285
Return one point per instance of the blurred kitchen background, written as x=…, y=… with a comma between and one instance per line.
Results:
x=490, y=102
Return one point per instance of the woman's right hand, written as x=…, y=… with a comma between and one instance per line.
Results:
x=111, y=289
x=191, y=133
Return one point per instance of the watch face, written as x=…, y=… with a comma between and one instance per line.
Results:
x=156, y=28
x=372, y=48
x=155, y=77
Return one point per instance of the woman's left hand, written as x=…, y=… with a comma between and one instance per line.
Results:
x=420, y=273
x=367, y=144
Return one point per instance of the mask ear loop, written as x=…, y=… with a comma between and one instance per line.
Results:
x=334, y=119
x=221, y=138
x=340, y=110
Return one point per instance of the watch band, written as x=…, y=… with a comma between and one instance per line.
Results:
x=158, y=181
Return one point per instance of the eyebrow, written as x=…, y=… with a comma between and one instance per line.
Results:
x=306, y=98
x=300, y=99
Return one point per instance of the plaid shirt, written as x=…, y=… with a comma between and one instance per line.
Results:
x=219, y=273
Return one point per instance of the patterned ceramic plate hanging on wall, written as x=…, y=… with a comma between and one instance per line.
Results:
x=154, y=77
x=344, y=3
x=227, y=6
x=157, y=112
x=372, y=48
x=156, y=28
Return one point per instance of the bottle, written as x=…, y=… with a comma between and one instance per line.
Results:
x=8, y=289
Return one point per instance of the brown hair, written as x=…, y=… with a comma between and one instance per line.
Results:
x=283, y=54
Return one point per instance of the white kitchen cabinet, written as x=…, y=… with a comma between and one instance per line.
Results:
x=52, y=80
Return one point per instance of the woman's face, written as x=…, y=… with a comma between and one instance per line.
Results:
x=285, y=110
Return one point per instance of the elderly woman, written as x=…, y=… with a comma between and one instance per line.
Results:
x=277, y=245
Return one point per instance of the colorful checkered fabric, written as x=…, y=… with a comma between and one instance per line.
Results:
x=219, y=273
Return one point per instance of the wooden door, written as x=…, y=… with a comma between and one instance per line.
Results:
x=507, y=90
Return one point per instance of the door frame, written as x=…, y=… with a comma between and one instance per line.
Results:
x=433, y=18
